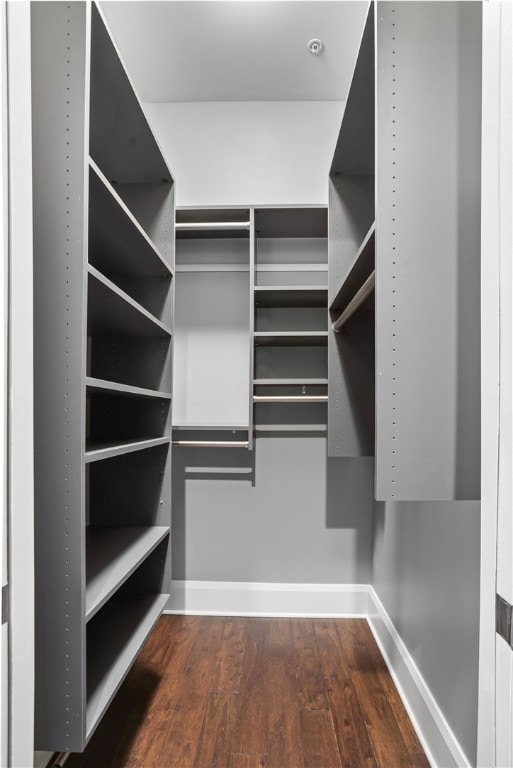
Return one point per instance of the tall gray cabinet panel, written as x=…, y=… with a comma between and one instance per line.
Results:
x=104, y=266
x=428, y=250
x=351, y=262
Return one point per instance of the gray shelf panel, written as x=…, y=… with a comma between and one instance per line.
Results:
x=290, y=382
x=291, y=222
x=107, y=387
x=120, y=137
x=114, y=639
x=358, y=272
x=354, y=153
x=107, y=450
x=290, y=296
x=117, y=242
x=112, y=312
x=112, y=555
x=291, y=339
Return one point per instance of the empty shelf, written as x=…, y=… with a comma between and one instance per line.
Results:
x=113, y=554
x=112, y=312
x=291, y=338
x=291, y=296
x=117, y=242
x=360, y=269
x=103, y=386
x=290, y=382
x=107, y=450
x=114, y=639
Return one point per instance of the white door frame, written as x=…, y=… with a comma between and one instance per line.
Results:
x=504, y=586
x=17, y=212
x=495, y=666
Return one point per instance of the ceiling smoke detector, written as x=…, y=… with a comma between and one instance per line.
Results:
x=315, y=46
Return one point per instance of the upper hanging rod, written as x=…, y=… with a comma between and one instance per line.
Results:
x=355, y=302
x=290, y=398
x=210, y=444
x=212, y=225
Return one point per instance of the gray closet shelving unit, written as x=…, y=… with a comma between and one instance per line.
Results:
x=214, y=251
x=404, y=369
x=289, y=330
x=351, y=262
x=104, y=268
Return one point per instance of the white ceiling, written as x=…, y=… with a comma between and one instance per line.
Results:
x=237, y=50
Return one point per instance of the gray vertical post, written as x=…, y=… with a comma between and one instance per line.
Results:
x=60, y=44
x=428, y=250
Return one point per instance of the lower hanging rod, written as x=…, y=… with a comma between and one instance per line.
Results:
x=355, y=302
x=290, y=398
x=211, y=444
x=205, y=225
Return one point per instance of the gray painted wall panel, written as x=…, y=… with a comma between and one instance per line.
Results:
x=296, y=517
x=426, y=573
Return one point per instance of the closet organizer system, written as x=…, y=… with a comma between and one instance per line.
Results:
x=376, y=303
x=250, y=324
x=104, y=268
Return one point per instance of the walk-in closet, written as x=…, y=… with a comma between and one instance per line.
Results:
x=266, y=350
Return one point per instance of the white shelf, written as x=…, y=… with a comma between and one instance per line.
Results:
x=113, y=387
x=112, y=555
x=107, y=450
x=114, y=639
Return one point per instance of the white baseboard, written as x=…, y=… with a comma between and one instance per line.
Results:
x=439, y=742
x=236, y=598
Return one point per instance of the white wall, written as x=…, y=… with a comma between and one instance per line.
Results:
x=248, y=153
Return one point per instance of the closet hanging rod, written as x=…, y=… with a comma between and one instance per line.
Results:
x=190, y=225
x=290, y=398
x=211, y=444
x=355, y=302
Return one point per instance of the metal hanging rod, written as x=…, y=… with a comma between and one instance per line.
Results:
x=210, y=444
x=290, y=398
x=190, y=225
x=355, y=302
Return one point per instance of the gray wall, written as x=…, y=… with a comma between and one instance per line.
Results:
x=426, y=566
x=291, y=516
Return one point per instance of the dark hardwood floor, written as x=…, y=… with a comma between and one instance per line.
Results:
x=256, y=693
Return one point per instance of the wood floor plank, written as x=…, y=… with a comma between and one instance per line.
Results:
x=214, y=746
x=387, y=741
x=403, y=721
x=186, y=717
x=334, y=658
x=174, y=644
x=311, y=688
x=284, y=725
x=250, y=734
x=230, y=657
x=248, y=761
x=354, y=744
x=320, y=748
